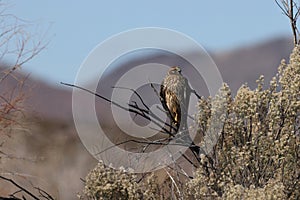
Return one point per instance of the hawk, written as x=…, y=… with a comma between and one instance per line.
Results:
x=174, y=94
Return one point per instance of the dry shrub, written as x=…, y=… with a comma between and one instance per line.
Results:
x=11, y=108
x=256, y=155
x=18, y=45
x=104, y=182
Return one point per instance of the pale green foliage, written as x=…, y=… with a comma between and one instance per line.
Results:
x=104, y=182
x=257, y=154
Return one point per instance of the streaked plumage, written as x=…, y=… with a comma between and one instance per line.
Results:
x=173, y=93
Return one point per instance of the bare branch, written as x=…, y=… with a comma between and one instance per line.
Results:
x=136, y=93
x=291, y=9
x=147, y=114
x=132, y=108
x=18, y=46
x=19, y=187
x=44, y=194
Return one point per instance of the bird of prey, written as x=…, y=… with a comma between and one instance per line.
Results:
x=174, y=94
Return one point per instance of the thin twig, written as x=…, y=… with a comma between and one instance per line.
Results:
x=132, y=108
x=291, y=9
x=19, y=187
x=142, y=142
x=136, y=93
x=146, y=114
x=43, y=193
x=174, y=183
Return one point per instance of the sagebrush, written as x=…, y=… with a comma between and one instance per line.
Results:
x=256, y=156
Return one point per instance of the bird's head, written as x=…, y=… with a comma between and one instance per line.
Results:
x=175, y=70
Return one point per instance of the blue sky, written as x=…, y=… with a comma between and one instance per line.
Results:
x=76, y=27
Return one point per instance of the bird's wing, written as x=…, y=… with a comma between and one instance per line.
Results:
x=173, y=105
x=162, y=95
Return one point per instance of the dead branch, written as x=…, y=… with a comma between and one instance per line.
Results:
x=18, y=46
x=146, y=113
x=291, y=9
x=19, y=187
x=44, y=194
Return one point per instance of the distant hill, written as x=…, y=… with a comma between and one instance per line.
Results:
x=246, y=64
x=237, y=66
x=53, y=142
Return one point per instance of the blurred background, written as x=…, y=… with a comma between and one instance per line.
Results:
x=245, y=39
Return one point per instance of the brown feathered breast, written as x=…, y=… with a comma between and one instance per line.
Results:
x=172, y=92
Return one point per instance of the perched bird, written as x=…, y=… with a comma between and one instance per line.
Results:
x=174, y=94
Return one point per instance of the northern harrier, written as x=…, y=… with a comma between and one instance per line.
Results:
x=174, y=94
